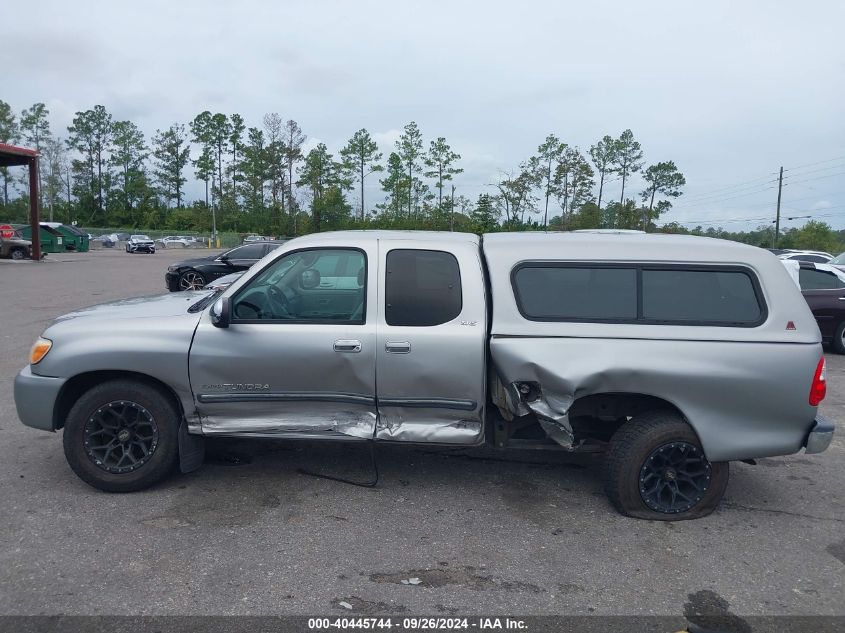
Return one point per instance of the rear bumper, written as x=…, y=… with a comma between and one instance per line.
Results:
x=35, y=398
x=820, y=436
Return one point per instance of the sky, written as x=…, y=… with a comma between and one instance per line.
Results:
x=730, y=91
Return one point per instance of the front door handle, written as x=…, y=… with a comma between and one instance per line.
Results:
x=397, y=347
x=347, y=346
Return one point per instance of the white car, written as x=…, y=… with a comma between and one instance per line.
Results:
x=249, y=239
x=221, y=283
x=815, y=257
x=177, y=240
x=137, y=243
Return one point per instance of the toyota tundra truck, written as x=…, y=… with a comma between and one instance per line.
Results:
x=672, y=355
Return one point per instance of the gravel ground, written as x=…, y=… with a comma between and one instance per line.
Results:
x=483, y=531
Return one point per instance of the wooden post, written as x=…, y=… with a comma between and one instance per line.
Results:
x=34, y=219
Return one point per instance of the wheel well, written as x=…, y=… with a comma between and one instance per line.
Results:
x=598, y=416
x=76, y=386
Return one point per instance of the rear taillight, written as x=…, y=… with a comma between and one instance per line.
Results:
x=819, y=388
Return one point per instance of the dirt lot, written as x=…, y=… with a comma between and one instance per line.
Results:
x=484, y=532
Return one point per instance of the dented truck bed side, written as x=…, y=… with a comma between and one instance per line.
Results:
x=744, y=390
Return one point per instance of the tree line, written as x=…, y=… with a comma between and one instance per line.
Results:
x=106, y=172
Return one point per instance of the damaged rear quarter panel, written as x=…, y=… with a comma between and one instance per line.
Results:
x=744, y=400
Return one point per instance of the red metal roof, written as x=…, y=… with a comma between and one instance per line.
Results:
x=13, y=149
x=12, y=155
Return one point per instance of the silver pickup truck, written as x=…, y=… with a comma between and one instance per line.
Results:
x=673, y=355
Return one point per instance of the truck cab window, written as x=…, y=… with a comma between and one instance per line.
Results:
x=422, y=288
x=312, y=286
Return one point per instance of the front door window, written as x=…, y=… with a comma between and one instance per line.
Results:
x=308, y=286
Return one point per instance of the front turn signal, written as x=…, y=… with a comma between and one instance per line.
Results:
x=39, y=350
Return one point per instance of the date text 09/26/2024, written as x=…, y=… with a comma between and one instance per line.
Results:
x=416, y=624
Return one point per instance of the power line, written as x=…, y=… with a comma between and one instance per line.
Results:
x=739, y=186
x=814, y=171
x=796, y=182
x=755, y=183
x=768, y=218
x=820, y=162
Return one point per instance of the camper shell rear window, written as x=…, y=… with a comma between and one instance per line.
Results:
x=648, y=294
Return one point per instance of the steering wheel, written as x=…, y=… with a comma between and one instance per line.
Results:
x=246, y=304
x=278, y=301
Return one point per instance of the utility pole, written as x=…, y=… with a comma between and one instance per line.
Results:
x=452, y=211
x=777, y=217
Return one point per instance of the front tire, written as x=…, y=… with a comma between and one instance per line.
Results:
x=655, y=468
x=18, y=254
x=191, y=280
x=122, y=436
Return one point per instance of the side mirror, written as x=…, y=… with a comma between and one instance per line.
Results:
x=224, y=259
x=309, y=279
x=220, y=313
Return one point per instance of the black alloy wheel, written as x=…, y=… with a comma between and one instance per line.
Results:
x=674, y=477
x=120, y=436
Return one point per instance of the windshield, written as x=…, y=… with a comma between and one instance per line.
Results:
x=839, y=259
x=139, y=237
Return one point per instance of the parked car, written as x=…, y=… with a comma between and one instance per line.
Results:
x=221, y=283
x=249, y=239
x=183, y=241
x=193, y=274
x=108, y=240
x=838, y=261
x=15, y=247
x=140, y=243
x=817, y=257
x=823, y=287
x=587, y=342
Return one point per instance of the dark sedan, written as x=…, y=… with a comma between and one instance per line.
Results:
x=193, y=274
x=823, y=286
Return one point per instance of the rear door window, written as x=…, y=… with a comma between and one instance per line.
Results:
x=252, y=251
x=422, y=288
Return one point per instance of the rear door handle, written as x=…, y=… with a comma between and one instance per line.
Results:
x=397, y=347
x=347, y=346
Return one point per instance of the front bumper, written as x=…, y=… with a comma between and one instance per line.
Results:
x=820, y=436
x=147, y=248
x=171, y=281
x=35, y=398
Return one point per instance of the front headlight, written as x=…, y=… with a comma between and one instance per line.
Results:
x=39, y=350
x=172, y=269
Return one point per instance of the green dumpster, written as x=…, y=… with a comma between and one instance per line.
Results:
x=51, y=240
x=74, y=239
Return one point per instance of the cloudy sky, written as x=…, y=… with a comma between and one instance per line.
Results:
x=728, y=90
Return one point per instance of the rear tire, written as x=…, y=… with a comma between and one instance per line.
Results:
x=655, y=469
x=839, y=339
x=138, y=421
x=18, y=254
